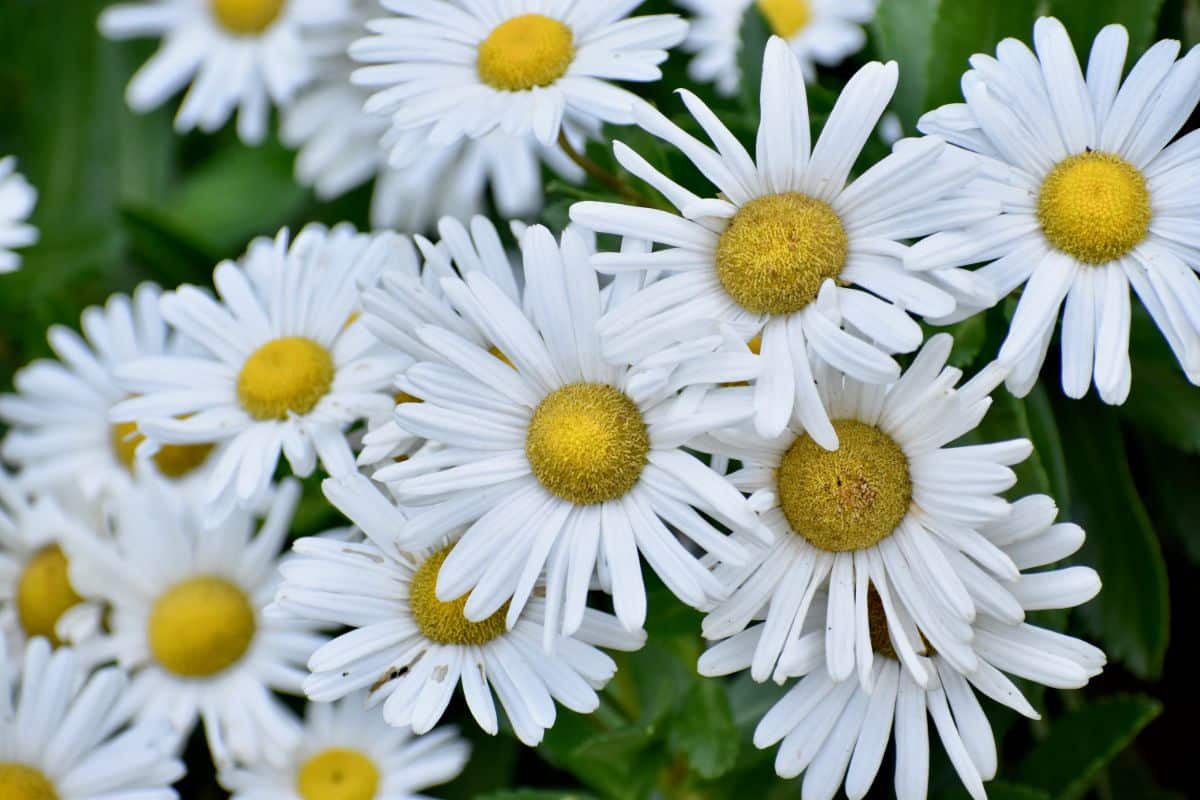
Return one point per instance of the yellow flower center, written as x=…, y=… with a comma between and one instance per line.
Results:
x=446, y=623
x=246, y=17
x=849, y=498
x=786, y=17
x=44, y=593
x=288, y=375
x=525, y=52
x=1095, y=207
x=587, y=443
x=19, y=782
x=778, y=250
x=338, y=774
x=172, y=460
x=201, y=626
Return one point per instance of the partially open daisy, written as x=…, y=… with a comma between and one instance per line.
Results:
x=63, y=735
x=565, y=466
x=1096, y=199
x=449, y=70
x=893, y=507
x=61, y=435
x=284, y=365
x=186, y=617
x=17, y=199
x=347, y=752
x=819, y=32
x=837, y=732
x=244, y=54
x=36, y=595
x=790, y=251
x=412, y=649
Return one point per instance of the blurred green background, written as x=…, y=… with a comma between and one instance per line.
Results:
x=124, y=199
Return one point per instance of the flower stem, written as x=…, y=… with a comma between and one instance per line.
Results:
x=600, y=174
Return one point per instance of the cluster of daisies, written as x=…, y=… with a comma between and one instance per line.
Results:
x=516, y=423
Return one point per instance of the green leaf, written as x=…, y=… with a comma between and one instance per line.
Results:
x=966, y=27
x=999, y=790
x=1082, y=742
x=536, y=794
x=1131, y=613
x=903, y=30
x=1173, y=499
x=703, y=731
x=1047, y=444
x=1161, y=401
x=755, y=33
x=969, y=337
x=1084, y=21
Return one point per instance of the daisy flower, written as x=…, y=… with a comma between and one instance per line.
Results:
x=444, y=71
x=17, y=199
x=36, y=595
x=244, y=54
x=412, y=649
x=63, y=737
x=562, y=465
x=1096, y=199
x=341, y=147
x=893, y=507
x=790, y=251
x=283, y=363
x=836, y=732
x=819, y=32
x=349, y=752
x=61, y=436
x=186, y=617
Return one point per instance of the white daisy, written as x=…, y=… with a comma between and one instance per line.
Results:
x=412, y=650
x=563, y=465
x=186, y=617
x=819, y=32
x=341, y=147
x=17, y=199
x=246, y=54
x=894, y=506
x=36, y=595
x=349, y=752
x=790, y=250
x=284, y=364
x=63, y=737
x=61, y=436
x=444, y=71
x=1096, y=198
x=837, y=732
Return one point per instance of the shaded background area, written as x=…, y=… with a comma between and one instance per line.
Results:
x=123, y=199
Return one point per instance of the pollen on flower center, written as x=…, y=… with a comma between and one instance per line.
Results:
x=246, y=17
x=19, y=782
x=778, y=250
x=172, y=460
x=338, y=774
x=44, y=593
x=1094, y=206
x=201, y=626
x=849, y=498
x=446, y=623
x=285, y=375
x=526, y=52
x=786, y=17
x=587, y=443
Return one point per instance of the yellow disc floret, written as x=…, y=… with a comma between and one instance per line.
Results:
x=338, y=774
x=1095, y=207
x=172, y=460
x=288, y=375
x=778, y=250
x=445, y=622
x=849, y=498
x=786, y=17
x=247, y=17
x=201, y=626
x=19, y=782
x=44, y=593
x=587, y=443
x=526, y=52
